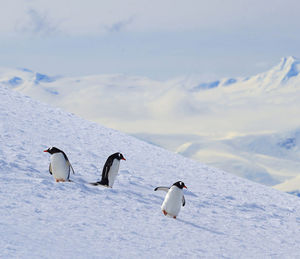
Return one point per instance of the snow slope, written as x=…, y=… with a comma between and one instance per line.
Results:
x=224, y=217
x=207, y=121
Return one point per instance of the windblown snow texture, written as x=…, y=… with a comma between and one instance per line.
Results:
x=225, y=216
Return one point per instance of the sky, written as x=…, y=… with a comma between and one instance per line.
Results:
x=157, y=39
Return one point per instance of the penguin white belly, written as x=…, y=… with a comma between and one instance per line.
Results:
x=113, y=172
x=173, y=201
x=59, y=166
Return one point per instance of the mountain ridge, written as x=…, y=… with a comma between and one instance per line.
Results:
x=287, y=68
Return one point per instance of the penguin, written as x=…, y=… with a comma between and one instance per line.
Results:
x=173, y=200
x=59, y=165
x=110, y=170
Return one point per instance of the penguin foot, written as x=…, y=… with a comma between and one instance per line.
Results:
x=164, y=212
x=60, y=180
x=174, y=217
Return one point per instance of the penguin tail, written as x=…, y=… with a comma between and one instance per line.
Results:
x=95, y=184
x=99, y=183
x=104, y=181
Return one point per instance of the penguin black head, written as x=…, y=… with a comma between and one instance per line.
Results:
x=118, y=156
x=53, y=150
x=180, y=185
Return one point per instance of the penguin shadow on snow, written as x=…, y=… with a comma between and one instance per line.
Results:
x=200, y=227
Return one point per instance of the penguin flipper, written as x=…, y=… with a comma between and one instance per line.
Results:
x=68, y=162
x=104, y=178
x=183, y=201
x=162, y=188
x=50, y=169
x=71, y=166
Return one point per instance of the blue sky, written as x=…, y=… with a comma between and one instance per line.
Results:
x=158, y=39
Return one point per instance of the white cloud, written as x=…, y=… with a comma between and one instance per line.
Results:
x=37, y=24
x=120, y=25
x=159, y=39
x=93, y=17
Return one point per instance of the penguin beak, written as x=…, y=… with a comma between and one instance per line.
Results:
x=185, y=187
x=123, y=158
x=45, y=150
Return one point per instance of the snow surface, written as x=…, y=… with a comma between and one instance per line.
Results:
x=242, y=125
x=225, y=216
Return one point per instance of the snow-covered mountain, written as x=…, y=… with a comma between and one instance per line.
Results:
x=291, y=186
x=224, y=216
x=225, y=123
x=266, y=158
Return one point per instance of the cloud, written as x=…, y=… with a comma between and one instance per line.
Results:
x=153, y=16
x=120, y=25
x=160, y=39
x=37, y=24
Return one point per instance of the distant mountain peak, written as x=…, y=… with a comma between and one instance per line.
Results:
x=280, y=74
x=287, y=68
x=290, y=67
x=287, y=61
